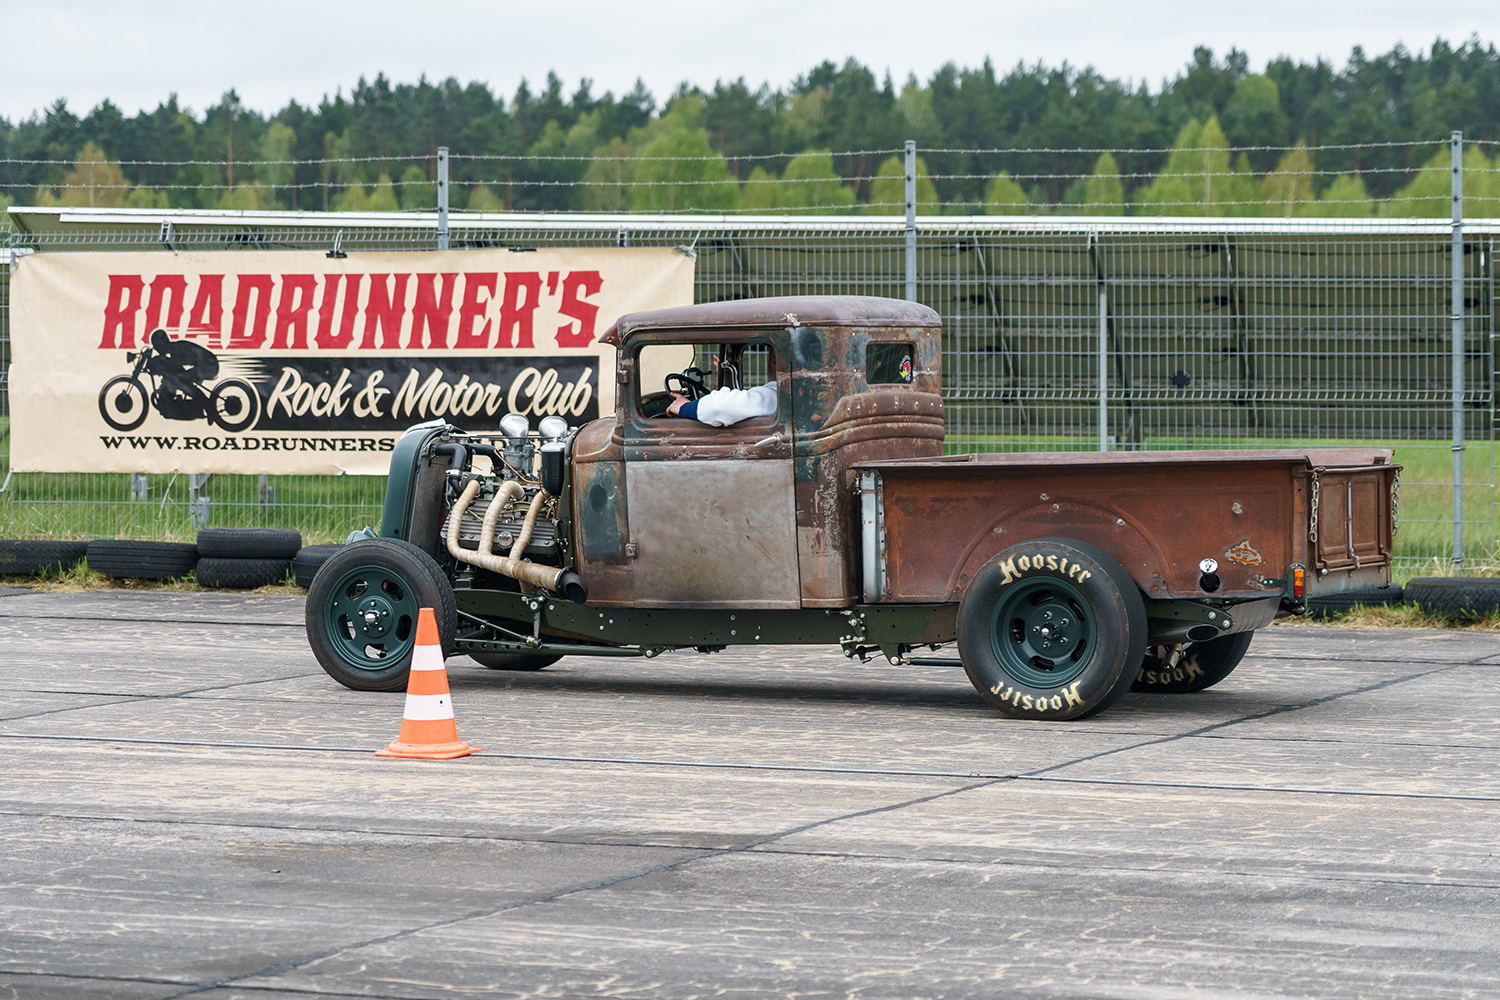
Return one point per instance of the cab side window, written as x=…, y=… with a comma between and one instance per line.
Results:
x=890, y=364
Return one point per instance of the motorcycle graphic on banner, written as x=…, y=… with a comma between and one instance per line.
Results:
x=180, y=372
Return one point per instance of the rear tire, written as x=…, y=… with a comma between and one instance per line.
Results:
x=1202, y=665
x=1051, y=629
x=234, y=405
x=390, y=580
x=513, y=661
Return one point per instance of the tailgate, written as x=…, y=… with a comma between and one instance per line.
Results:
x=1351, y=522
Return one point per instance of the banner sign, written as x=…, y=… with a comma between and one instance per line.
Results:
x=295, y=363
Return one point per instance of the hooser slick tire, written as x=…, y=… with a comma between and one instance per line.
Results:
x=1051, y=629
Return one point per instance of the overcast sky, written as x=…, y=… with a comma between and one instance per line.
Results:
x=138, y=53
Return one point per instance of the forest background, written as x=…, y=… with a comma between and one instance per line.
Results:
x=1297, y=139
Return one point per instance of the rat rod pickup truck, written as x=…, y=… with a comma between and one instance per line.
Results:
x=1065, y=579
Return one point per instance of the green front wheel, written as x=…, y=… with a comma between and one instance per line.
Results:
x=362, y=611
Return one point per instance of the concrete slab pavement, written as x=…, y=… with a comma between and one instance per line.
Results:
x=772, y=822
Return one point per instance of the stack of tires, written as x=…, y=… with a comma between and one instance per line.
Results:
x=233, y=558
x=25, y=557
x=129, y=559
x=1329, y=605
x=310, y=559
x=245, y=558
x=1462, y=596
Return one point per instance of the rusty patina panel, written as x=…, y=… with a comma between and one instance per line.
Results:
x=712, y=534
x=840, y=420
x=1158, y=513
x=599, y=513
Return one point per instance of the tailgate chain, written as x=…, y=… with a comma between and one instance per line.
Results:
x=1312, y=515
x=1395, y=501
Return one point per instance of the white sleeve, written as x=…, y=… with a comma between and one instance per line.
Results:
x=723, y=407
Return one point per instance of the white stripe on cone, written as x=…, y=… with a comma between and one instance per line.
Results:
x=428, y=707
x=427, y=658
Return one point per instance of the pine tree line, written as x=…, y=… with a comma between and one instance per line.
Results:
x=1297, y=139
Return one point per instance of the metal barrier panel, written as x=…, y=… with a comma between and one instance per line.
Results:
x=1059, y=334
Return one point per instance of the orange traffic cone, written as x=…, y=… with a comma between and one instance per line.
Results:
x=427, y=726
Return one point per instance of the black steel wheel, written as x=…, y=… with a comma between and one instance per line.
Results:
x=124, y=403
x=361, y=612
x=1200, y=665
x=1051, y=629
x=513, y=661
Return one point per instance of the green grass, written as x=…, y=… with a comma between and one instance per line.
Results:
x=99, y=505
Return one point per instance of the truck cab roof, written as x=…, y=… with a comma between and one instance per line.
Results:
x=787, y=310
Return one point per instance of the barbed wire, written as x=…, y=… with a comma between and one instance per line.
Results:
x=1199, y=149
x=671, y=159
x=510, y=182
x=527, y=157
x=515, y=157
x=223, y=163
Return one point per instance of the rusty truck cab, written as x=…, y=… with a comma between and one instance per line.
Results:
x=673, y=513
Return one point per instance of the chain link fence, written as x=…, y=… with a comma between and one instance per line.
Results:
x=1059, y=334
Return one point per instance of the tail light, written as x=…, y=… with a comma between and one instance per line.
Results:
x=1299, y=581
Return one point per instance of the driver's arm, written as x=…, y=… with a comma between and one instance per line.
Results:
x=723, y=407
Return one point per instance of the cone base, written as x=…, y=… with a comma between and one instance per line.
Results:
x=428, y=751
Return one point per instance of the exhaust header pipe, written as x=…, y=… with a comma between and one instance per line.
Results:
x=563, y=582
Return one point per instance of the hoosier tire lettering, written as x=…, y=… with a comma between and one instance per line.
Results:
x=1014, y=568
x=1201, y=665
x=1051, y=629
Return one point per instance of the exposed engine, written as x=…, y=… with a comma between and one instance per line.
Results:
x=506, y=522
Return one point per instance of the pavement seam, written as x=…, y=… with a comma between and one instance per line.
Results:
x=1039, y=776
x=1132, y=869
x=604, y=883
x=126, y=699
x=785, y=850
x=145, y=621
x=149, y=981
x=1269, y=713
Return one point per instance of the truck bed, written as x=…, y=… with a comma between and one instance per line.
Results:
x=1257, y=514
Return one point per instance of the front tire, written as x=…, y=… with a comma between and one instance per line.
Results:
x=1201, y=665
x=123, y=403
x=1051, y=629
x=361, y=612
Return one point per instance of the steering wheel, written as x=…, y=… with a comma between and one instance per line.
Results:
x=689, y=383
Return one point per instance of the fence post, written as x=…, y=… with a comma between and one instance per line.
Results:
x=1457, y=140
x=442, y=193
x=911, y=220
x=1103, y=367
x=200, y=507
